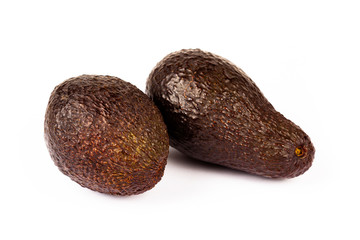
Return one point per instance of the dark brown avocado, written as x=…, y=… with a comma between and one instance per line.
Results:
x=106, y=135
x=215, y=113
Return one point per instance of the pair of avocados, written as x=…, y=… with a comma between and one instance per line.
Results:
x=108, y=136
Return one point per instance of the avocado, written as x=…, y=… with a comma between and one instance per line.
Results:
x=215, y=113
x=106, y=135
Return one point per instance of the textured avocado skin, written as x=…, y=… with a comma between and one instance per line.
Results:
x=106, y=135
x=215, y=113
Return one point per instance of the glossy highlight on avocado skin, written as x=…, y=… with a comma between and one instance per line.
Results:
x=215, y=113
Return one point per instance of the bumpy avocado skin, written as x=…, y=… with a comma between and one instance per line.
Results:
x=106, y=135
x=215, y=113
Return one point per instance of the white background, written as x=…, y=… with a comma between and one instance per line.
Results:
x=303, y=55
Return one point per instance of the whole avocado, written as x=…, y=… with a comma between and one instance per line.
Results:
x=215, y=113
x=106, y=135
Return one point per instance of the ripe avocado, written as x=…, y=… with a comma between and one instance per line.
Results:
x=215, y=113
x=106, y=135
